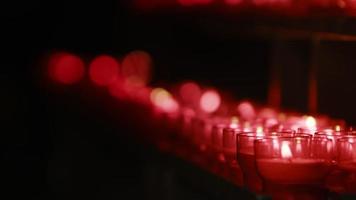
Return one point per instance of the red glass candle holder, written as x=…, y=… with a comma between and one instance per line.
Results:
x=218, y=160
x=246, y=160
x=200, y=138
x=333, y=136
x=347, y=162
x=293, y=162
x=230, y=154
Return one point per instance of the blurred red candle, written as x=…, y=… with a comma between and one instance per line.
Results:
x=288, y=160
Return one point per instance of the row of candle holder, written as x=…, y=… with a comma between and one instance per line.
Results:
x=265, y=159
x=260, y=148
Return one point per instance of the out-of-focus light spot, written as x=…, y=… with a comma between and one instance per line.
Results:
x=282, y=117
x=271, y=122
x=247, y=127
x=285, y=151
x=310, y=123
x=162, y=99
x=210, y=101
x=267, y=113
x=233, y=2
x=341, y=3
x=190, y=93
x=136, y=68
x=104, y=70
x=234, y=122
x=66, y=68
x=246, y=110
x=259, y=131
x=337, y=128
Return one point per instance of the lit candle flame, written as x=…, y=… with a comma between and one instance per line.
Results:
x=310, y=123
x=247, y=126
x=275, y=144
x=298, y=147
x=285, y=151
x=234, y=122
x=259, y=131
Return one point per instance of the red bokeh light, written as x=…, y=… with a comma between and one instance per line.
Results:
x=163, y=100
x=104, y=70
x=246, y=110
x=66, y=68
x=210, y=101
x=190, y=93
x=136, y=68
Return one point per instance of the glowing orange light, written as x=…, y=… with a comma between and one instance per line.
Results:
x=210, y=101
x=337, y=128
x=163, y=100
x=247, y=126
x=66, y=68
x=246, y=110
x=234, y=122
x=259, y=131
x=104, y=70
x=310, y=123
x=298, y=147
x=190, y=92
x=233, y=2
x=285, y=151
x=136, y=68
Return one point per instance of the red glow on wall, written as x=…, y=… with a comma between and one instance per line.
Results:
x=136, y=68
x=66, y=68
x=233, y=2
x=190, y=93
x=194, y=2
x=104, y=70
x=210, y=101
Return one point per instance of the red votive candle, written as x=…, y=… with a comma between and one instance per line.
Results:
x=201, y=139
x=230, y=153
x=217, y=157
x=294, y=161
x=246, y=159
x=184, y=126
x=347, y=162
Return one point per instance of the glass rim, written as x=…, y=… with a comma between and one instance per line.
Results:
x=332, y=132
x=346, y=138
x=283, y=138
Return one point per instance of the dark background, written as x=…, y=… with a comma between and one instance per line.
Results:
x=61, y=142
